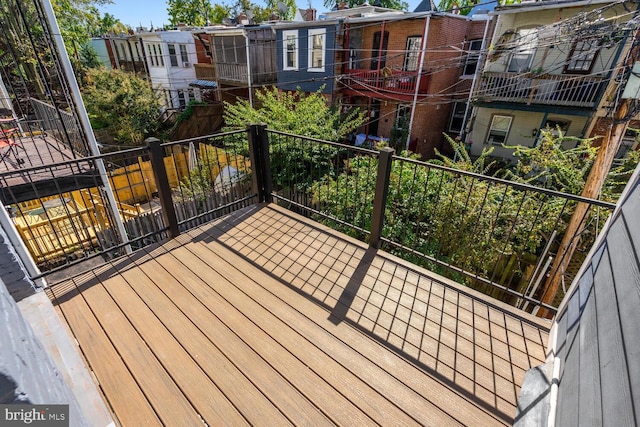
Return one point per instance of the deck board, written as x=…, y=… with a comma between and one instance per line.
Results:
x=267, y=318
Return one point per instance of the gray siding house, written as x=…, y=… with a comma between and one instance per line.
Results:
x=307, y=55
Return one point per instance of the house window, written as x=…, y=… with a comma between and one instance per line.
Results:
x=499, y=129
x=473, y=56
x=457, y=117
x=379, y=50
x=412, y=53
x=160, y=55
x=316, y=49
x=403, y=114
x=154, y=56
x=582, y=56
x=182, y=102
x=526, y=41
x=184, y=55
x=290, y=50
x=172, y=55
x=124, y=53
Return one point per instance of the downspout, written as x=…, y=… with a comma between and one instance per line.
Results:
x=474, y=82
x=246, y=36
x=423, y=48
x=84, y=119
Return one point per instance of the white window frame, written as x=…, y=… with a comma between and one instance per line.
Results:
x=494, y=130
x=184, y=55
x=317, y=32
x=285, y=45
x=173, y=57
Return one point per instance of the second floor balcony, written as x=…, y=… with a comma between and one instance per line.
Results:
x=544, y=89
x=385, y=82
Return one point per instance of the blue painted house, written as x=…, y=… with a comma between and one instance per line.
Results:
x=306, y=55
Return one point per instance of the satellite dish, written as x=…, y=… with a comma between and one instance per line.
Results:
x=283, y=9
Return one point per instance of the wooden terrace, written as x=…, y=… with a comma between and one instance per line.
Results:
x=266, y=318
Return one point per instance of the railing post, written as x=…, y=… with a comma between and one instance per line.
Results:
x=162, y=185
x=260, y=162
x=380, y=198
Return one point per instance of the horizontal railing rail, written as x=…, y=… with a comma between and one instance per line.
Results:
x=548, y=89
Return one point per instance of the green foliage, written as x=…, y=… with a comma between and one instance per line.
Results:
x=492, y=229
x=220, y=11
x=294, y=112
x=89, y=57
x=188, y=112
x=291, y=8
x=464, y=6
x=123, y=103
x=389, y=4
x=258, y=13
x=192, y=12
x=550, y=166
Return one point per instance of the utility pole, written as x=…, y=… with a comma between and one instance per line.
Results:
x=593, y=185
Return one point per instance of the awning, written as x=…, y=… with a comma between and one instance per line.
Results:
x=204, y=84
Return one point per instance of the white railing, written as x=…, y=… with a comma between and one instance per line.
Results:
x=232, y=72
x=548, y=89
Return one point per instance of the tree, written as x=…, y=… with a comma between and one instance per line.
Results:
x=77, y=20
x=123, y=103
x=465, y=6
x=192, y=12
x=257, y=13
x=301, y=114
x=390, y=4
x=295, y=112
x=291, y=8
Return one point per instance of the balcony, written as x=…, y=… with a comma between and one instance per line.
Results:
x=543, y=89
x=231, y=72
x=385, y=82
x=257, y=292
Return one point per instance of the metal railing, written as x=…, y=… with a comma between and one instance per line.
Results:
x=491, y=234
x=60, y=124
x=62, y=212
x=391, y=80
x=549, y=89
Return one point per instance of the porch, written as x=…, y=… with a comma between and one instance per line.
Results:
x=266, y=317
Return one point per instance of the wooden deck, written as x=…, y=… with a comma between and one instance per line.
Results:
x=266, y=318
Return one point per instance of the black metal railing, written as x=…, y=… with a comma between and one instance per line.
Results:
x=64, y=215
x=490, y=234
x=493, y=235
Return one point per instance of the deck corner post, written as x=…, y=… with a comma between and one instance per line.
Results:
x=162, y=185
x=380, y=197
x=260, y=161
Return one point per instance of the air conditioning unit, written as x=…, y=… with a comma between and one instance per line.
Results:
x=186, y=64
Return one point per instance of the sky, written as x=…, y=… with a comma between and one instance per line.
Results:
x=145, y=12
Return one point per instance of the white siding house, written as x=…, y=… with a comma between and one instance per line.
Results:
x=170, y=56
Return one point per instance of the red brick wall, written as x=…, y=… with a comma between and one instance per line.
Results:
x=200, y=49
x=442, y=67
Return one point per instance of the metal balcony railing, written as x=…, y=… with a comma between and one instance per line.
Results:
x=385, y=80
x=493, y=235
x=547, y=89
